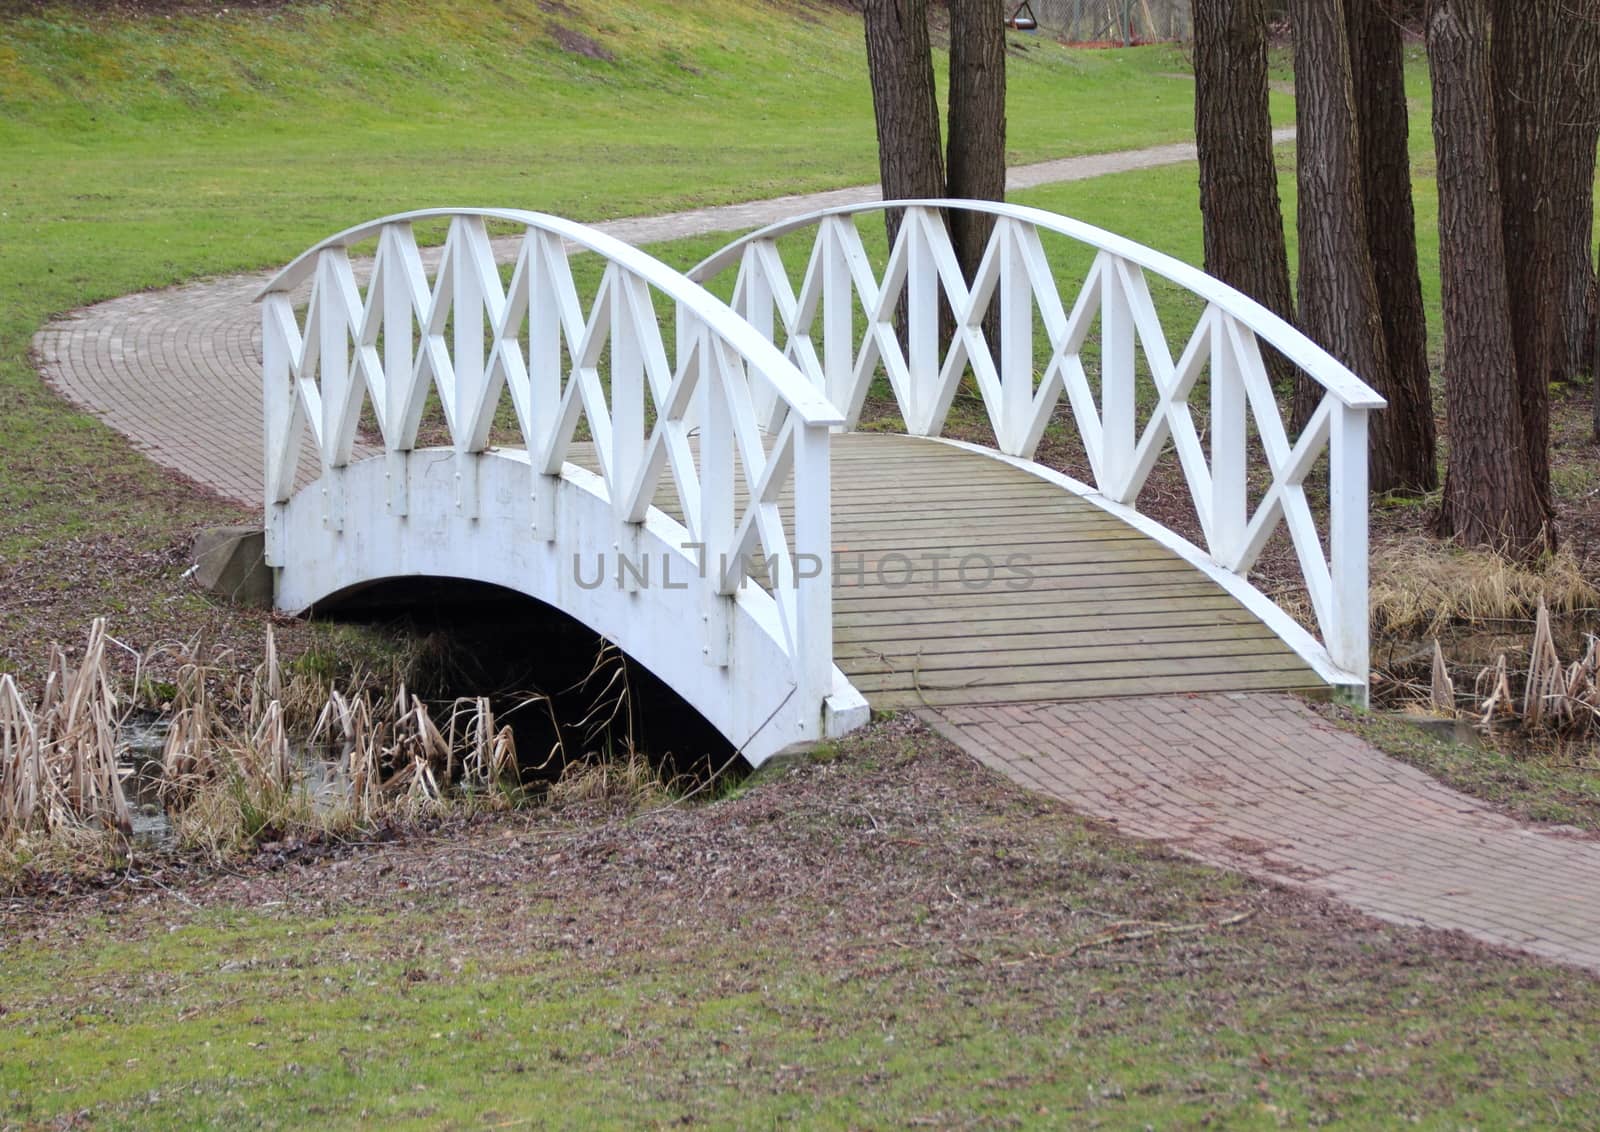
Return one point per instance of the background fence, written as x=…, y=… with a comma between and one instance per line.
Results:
x=1114, y=21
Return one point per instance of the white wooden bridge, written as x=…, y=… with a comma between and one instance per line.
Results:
x=693, y=479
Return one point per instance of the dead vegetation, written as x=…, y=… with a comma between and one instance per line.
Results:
x=1546, y=697
x=1420, y=588
x=59, y=766
x=277, y=753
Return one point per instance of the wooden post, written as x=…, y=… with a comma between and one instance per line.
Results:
x=922, y=322
x=1116, y=381
x=1346, y=637
x=1016, y=344
x=1229, y=459
x=813, y=551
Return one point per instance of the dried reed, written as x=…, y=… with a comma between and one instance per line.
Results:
x=1419, y=589
x=60, y=755
x=275, y=751
x=1557, y=698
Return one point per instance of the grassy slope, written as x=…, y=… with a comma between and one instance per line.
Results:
x=144, y=151
x=887, y=938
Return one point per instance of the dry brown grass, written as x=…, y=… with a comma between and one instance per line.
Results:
x=1550, y=698
x=244, y=756
x=59, y=753
x=1420, y=588
x=625, y=779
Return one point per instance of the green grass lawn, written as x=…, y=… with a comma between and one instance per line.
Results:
x=141, y=151
x=890, y=935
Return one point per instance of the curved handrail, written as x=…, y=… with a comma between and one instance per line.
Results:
x=925, y=356
x=666, y=402
x=799, y=394
x=1313, y=359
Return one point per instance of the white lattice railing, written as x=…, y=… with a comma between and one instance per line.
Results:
x=839, y=285
x=384, y=333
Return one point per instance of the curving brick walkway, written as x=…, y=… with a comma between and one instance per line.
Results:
x=1263, y=785
x=1257, y=783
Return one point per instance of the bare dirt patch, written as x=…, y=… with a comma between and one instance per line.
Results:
x=576, y=43
x=895, y=839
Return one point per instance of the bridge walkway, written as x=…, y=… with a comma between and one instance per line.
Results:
x=960, y=579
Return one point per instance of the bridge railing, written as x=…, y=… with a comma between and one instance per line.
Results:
x=841, y=298
x=382, y=335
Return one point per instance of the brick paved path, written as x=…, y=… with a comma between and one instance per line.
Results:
x=179, y=372
x=1262, y=784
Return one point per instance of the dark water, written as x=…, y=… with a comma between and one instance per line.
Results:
x=144, y=738
x=481, y=640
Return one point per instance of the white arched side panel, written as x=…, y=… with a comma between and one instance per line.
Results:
x=839, y=297
x=663, y=411
x=648, y=601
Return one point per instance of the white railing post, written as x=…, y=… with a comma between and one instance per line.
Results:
x=716, y=465
x=279, y=404
x=333, y=378
x=755, y=304
x=545, y=331
x=838, y=315
x=1229, y=458
x=811, y=571
x=467, y=355
x=1116, y=383
x=398, y=359
x=627, y=394
x=922, y=320
x=1015, y=345
x=1347, y=637
x=716, y=502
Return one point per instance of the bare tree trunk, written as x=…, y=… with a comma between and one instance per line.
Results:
x=1489, y=494
x=1524, y=33
x=900, y=59
x=1576, y=272
x=1403, y=435
x=1338, y=290
x=1577, y=124
x=977, y=145
x=1239, y=204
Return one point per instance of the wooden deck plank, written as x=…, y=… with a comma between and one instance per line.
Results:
x=1151, y=574
x=880, y=630
x=1064, y=673
x=1176, y=592
x=1106, y=611
x=1053, y=641
x=954, y=657
x=910, y=699
x=905, y=541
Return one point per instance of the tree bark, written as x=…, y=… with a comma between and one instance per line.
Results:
x=1577, y=125
x=1338, y=290
x=1404, y=445
x=1490, y=498
x=1240, y=211
x=900, y=61
x=977, y=145
x=1524, y=32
